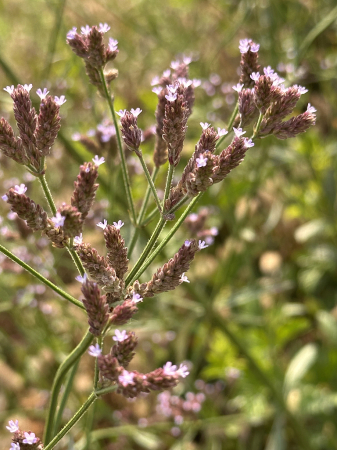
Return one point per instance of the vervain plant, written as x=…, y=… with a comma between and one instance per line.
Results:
x=111, y=290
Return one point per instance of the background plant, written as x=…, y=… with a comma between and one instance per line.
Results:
x=271, y=269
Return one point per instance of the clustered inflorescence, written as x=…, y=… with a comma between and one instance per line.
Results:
x=108, y=299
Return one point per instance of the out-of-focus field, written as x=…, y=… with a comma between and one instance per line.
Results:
x=270, y=277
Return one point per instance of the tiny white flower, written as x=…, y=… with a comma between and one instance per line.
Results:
x=244, y=45
x=20, y=189
x=214, y=231
x=183, y=371
x=196, y=83
x=29, y=438
x=248, y=143
x=103, y=224
x=60, y=100
x=78, y=239
x=157, y=90
x=187, y=60
x=42, y=94
x=85, y=30
x=238, y=87
x=13, y=427
x=301, y=89
x=201, y=161
x=175, y=65
x=222, y=132
x=238, y=132
x=155, y=80
x=95, y=350
x=121, y=112
x=311, y=109
x=126, y=378
x=136, y=297
x=27, y=87
x=135, y=112
x=268, y=71
x=205, y=125
x=113, y=44
x=9, y=89
x=15, y=446
x=254, y=48
x=120, y=336
x=187, y=243
x=58, y=220
x=171, y=97
x=103, y=27
x=193, y=217
x=98, y=161
x=5, y=198
x=255, y=76
x=81, y=279
x=118, y=224
x=169, y=368
x=184, y=278
x=166, y=73
x=202, y=245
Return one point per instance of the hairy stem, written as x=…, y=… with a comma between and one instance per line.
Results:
x=71, y=359
x=40, y=277
x=149, y=179
x=126, y=179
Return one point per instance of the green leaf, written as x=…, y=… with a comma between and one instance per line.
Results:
x=299, y=366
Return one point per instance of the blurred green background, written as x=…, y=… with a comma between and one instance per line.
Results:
x=258, y=322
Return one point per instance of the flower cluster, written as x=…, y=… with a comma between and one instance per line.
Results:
x=23, y=440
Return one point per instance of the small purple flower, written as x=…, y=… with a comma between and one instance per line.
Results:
x=135, y=112
x=113, y=44
x=20, y=189
x=78, y=239
x=205, y=125
x=42, y=94
x=5, y=198
x=268, y=71
x=202, y=245
x=15, y=446
x=85, y=30
x=169, y=368
x=107, y=131
x=187, y=243
x=187, y=60
x=254, y=48
x=248, y=143
x=222, y=132
x=13, y=427
x=157, y=90
x=184, y=278
x=72, y=33
x=126, y=378
x=81, y=279
x=184, y=82
x=202, y=161
x=95, y=350
x=27, y=87
x=103, y=224
x=60, y=100
x=255, y=76
x=98, y=161
x=58, y=220
x=136, y=297
x=175, y=65
x=238, y=87
x=166, y=74
x=118, y=224
x=120, y=336
x=238, y=132
x=121, y=112
x=103, y=27
x=311, y=109
x=9, y=89
x=244, y=45
x=29, y=438
x=171, y=97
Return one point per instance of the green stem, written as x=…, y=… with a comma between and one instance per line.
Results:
x=83, y=409
x=147, y=249
x=293, y=421
x=149, y=179
x=132, y=276
x=40, y=277
x=230, y=124
x=168, y=183
x=76, y=259
x=47, y=194
x=149, y=217
x=126, y=179
x=71, y=359
x=257, y=126
x=142, y=212
x=65, y=396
